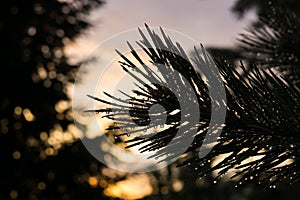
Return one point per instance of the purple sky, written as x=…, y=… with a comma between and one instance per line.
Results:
x=208, y=21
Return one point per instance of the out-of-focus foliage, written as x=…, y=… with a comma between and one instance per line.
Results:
x=36, y=122
x=241, y=7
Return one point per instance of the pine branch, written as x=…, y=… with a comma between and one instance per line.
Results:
x=275, y=43
x=260, y=137
x=262, y=125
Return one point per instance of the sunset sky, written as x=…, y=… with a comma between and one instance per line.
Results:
x=209, y=22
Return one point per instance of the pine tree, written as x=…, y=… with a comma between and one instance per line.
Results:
x=260, y=137
x=34, y=101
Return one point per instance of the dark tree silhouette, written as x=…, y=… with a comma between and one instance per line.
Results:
x=241, y=7
x=260, y=137
x=34, y=102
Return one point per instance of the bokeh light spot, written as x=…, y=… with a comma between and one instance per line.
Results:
x=16, y=155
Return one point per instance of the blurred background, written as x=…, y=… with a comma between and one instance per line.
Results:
x=42, y=45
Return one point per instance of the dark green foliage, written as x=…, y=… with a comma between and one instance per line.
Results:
x=262, y=121
x=34, y=73
x=241, y=7
x=275, y=43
